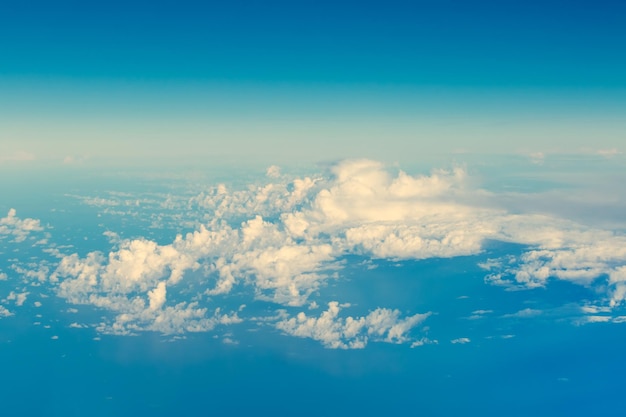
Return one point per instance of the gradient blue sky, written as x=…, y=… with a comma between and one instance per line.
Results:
x=287, y=81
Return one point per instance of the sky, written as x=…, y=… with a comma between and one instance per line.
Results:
x=312, y=208
x=293, y=81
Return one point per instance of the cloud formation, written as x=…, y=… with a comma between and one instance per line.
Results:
x=19, y=229
x=381, y=325
x=286, y=237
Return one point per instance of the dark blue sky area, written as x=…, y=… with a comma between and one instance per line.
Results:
x=449, y=43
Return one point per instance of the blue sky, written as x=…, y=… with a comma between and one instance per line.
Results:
x=284, y=81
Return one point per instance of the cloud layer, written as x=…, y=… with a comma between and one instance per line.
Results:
x=284, y=238
x=19, y=229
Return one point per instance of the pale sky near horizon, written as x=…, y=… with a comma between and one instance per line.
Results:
x=280, y=82
x=254, y=128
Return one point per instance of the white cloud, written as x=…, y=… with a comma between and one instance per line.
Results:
x=4, y=312
x=18, y=298
x=460, y=341
x=11, y=225
x=38, y=272
x=479, y=314
x=571, y=253
x=525, y=313
x=284, y=240
x=157, y=296
x=180, y=318
x=133, y=282
x=595, y=319
x=423, y=341
x=352, y=333
x=112, y=236
x=273, y=171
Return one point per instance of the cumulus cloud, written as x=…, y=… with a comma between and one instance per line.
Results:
x=133, y=283
x=460, y=341
x=32, y=271
x=352, y=333
x=4, y=312
x=11, y=225
x=157, y=296
x=286, y=237
x=570, y=252
x=18, y=298
x=273, y=171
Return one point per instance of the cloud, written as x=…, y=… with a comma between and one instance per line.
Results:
x=286, y=237
x=157, y=296
x=525, y=313
x=352, y=333
x=460, y=341
x=11, y=225
x=294, y=231
x=273, y=171
x=572, y=253
x=18, y=298
x=4, y=312
x=479, y=314
x=33, y=272
x=133, y=282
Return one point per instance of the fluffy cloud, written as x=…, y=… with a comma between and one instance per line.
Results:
x=18, y=298
x=352, y=333
x=286, y=237
x=4, y=312
x=362, y=193
x=11, y=225
x=133, y=280
x=570, y=252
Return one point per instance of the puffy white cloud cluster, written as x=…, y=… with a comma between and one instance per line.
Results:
x=17, y=298
x=4, y=312
x=565, y=251
x=133, y=280
x=266, y=200
x=402, y=216
x=335, y=332
x=359, y=208
x=284, y=238
x=11, y=225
